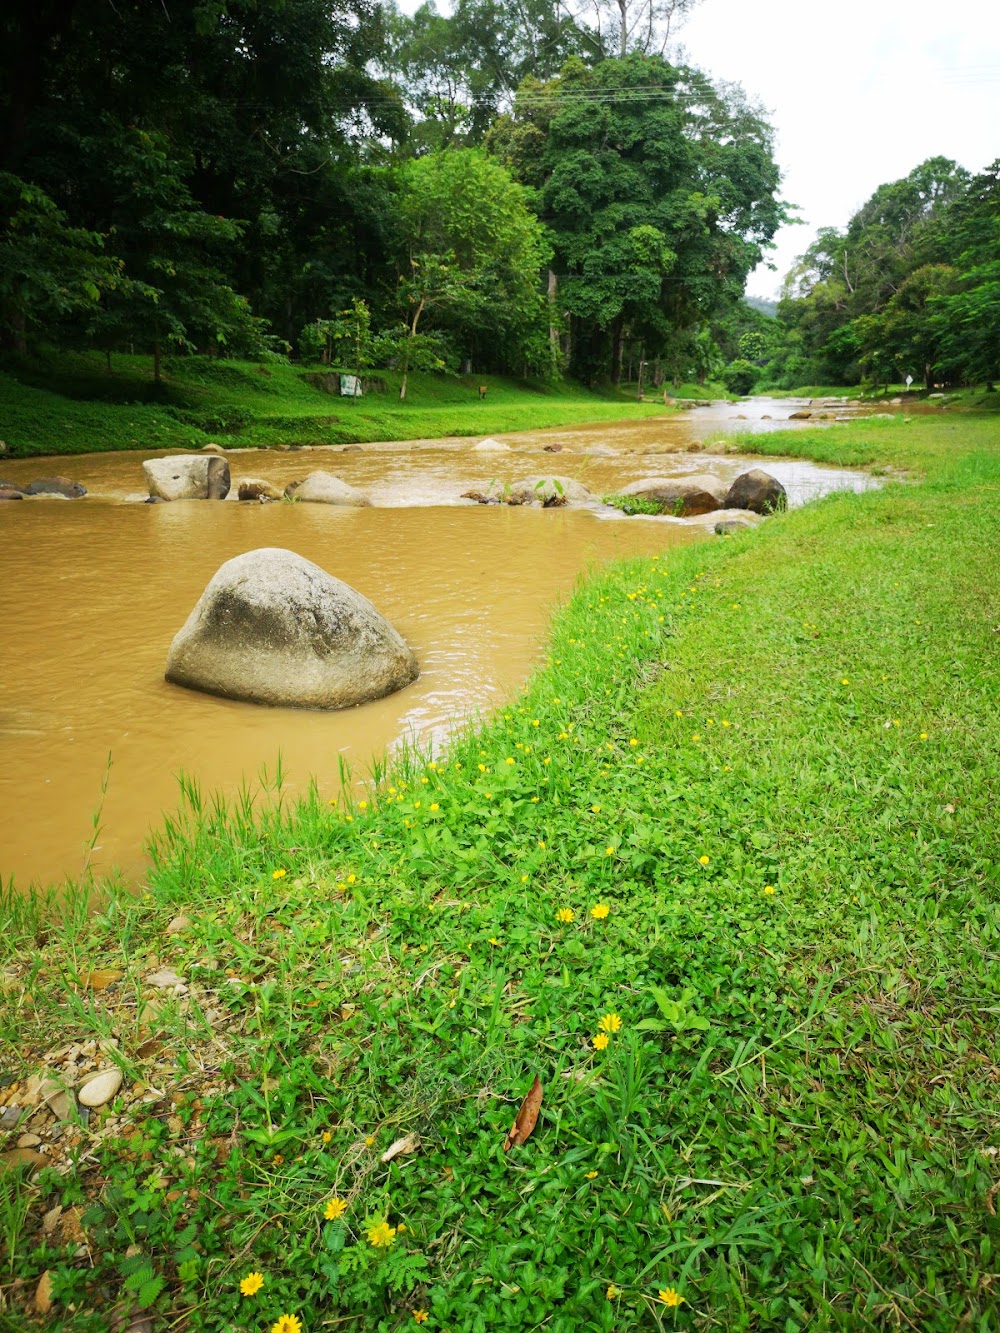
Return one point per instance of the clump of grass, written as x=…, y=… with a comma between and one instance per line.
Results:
x=724, y=877
x=633, y=504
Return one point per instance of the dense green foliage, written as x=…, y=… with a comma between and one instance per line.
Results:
x=742, y=825
x=229, y=176
x=912, y=286
x=659, y=193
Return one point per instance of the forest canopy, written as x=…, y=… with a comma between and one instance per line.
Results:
x=506, y=186
x=514, y=187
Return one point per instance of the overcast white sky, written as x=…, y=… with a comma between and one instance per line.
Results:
x=859, y=92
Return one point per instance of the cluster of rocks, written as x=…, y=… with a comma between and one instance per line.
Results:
x=687, y=497
x=207, y=477
x=548, y=492
x=273, y=628
x=683, y=497
x=61, y=487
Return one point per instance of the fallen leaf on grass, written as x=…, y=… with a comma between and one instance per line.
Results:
x=100, y=979
x=43, y=1293
x=526, y=1116
x=408, y=1143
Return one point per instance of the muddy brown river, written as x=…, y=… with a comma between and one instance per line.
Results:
x=95, y=590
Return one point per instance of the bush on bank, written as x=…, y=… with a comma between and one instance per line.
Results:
x=724, y=877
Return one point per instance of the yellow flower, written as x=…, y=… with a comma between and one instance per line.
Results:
x=678, y=713
x=596, y=809
x=613, y=1292
x=703, y=860
x=535, y=722
x=633, y=741
x=696, y=737
x=599, y=911
x=508, y=761
x=369, y=1142
x=362, y=805
x=327, y=1136
x=923, y=735
x=670, y=1297
x=251, y=1284
x=494, y=940
x=769, y=889
x=482, y=768
x=381, y=1235
x=845, y=681
x=610, y=1023
x=591, y=1175
x=541, y=843
x=600, y=1041
x=435, y=806
x=278, y=1159
x=288, y=1323
x=609, y=851
x=565, y=914
x=334, y=1208
x=420, y=1316
x=278, y=874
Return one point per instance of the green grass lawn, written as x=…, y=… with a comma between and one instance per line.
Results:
x=73, y=404
x=725, y=878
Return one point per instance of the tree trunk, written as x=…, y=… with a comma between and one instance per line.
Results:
x=642, y=362
x=617, y=350
x=406, y=357
x=623, y=8
x=157, y=357
x=553, y=330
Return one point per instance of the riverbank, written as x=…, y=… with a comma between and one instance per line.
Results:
x=724, y=878
x=74, y=404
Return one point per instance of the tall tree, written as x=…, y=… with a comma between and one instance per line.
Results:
x=659, y=193
x=471, y=255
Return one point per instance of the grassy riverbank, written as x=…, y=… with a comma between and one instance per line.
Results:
x=75, y=404
x=724, y=878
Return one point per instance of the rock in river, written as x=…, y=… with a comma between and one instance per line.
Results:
x=758, y=491
x=542, y=490
x=183, y=477
x=63, y=486
x=273, y=628
x=680, y=496
x=326, y=489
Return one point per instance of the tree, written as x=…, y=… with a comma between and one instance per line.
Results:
x=471, y=253
x=659, y=194
x=967, y=321
x=51, y=273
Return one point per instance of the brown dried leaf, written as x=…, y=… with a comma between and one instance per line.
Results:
x=526, y=1116
x=100, y=979
x=43, y=1293
x=408, y=1143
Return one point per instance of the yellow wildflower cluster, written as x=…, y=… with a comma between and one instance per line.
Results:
x=381, y=1235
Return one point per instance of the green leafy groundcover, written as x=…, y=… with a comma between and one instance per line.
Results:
x=724, y=877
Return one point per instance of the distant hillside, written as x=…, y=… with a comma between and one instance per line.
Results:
x=768, y=308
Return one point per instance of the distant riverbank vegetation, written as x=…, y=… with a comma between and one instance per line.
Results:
x=522, y=194
x=525, y=194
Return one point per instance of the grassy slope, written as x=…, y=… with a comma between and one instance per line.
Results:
x=72, y=405
x=774, y=760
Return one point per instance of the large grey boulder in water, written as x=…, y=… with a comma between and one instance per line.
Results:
x=273, y=628
x=184, y=477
